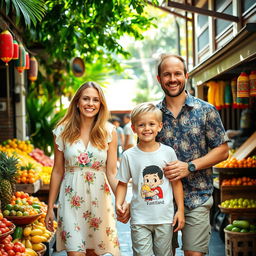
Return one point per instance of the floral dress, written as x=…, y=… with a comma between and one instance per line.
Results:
x=86, y=217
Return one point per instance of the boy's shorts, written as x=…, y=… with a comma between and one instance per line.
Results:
x=148, y=240
x=197, y=230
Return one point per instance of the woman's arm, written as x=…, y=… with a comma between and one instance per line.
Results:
x=56, y=178
x=112, y=162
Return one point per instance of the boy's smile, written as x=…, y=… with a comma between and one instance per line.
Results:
x=147, y=126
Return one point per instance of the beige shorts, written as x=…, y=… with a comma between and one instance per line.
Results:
x=197, y=230
x=148, y=240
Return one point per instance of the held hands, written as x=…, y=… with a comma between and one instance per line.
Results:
x=178, y=219
x=176, y=170
x=123, y=212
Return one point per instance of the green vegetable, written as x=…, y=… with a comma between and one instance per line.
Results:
x=36, y=206
x=229, y=227
x=243, y=230
x=235, y=229
x=17, y=233
x=241, y=224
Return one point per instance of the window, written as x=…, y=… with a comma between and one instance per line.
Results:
x=221, y=24
x=202, y=30
x=203, y=39
x=246, y=4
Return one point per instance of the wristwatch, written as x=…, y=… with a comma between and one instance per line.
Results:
x=191, y=167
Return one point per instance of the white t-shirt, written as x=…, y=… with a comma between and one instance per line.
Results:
x=152, y=199
x=128, y=131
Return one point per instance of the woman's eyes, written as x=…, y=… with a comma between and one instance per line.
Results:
x=94, y=100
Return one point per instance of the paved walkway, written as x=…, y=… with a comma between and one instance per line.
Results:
x=217, y=247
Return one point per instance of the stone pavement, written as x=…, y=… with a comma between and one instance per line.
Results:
x=217, y=247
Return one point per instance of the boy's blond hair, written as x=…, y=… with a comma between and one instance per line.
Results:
x=143, y=108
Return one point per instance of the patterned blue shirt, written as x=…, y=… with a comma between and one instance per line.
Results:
x=196, y=130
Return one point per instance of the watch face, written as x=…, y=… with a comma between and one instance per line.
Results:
x=191, y=167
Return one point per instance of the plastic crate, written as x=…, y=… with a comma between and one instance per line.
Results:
x=240, y=244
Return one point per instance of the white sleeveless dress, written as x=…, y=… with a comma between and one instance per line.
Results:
x=86, y=217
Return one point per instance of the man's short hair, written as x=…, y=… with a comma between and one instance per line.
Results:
x=165, y=56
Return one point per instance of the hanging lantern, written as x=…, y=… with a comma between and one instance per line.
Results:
x=15, y=50
x=20, y=64
x=33, y=70
x=6, y=46
x=27, y=61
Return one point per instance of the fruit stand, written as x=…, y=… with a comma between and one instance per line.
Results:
x=24, y=171
x=237, y=199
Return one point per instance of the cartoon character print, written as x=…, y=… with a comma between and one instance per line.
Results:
x=153, y=178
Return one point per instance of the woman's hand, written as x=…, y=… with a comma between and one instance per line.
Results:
x=49, y=218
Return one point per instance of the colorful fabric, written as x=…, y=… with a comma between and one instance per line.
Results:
x=196, y=130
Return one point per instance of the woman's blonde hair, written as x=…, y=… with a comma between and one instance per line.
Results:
x=72, y=120
x=143, y=108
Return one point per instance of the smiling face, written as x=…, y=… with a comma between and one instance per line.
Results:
x=89, y=103
x=147, y=126
x=172, y=77
x=152, y=180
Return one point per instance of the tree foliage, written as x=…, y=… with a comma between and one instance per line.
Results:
x=24, y=10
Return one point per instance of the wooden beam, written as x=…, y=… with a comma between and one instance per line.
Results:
x=202, y=11
x=165, y=9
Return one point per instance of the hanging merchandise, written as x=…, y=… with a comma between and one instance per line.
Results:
x=33, y=70
x=227, y=95
x=221, y=85
x=27, y=61
x=15, y=50
x=218, y=96
x=234, y=91
x=20, y=64
x=6, y=46
x=211, y=92
x=252, y=80
x=243, y=90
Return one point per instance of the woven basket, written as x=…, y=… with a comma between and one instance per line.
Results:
x=240, y=244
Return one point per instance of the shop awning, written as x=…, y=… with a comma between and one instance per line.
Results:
x=241, y=48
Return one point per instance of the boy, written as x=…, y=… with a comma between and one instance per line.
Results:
x=152, y=210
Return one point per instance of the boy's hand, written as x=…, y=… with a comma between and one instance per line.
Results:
x=123, y=212
x=178, y=219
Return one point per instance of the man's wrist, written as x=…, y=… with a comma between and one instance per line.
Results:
x=191, y=167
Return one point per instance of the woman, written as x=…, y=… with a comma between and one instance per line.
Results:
x=84, y=167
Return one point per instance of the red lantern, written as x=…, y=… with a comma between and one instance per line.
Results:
x=6, y=46
x=27, y=61
x=15, y=50
x=33, y=70
x=20, y=64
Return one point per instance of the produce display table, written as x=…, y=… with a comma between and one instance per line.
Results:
x=50, y=245
x=29, y=188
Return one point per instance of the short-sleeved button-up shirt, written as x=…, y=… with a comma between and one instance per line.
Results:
x=193, y=133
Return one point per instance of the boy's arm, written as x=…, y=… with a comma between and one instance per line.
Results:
x=179, y=199
x=120, y=195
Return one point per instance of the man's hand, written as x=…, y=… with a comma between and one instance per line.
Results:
x=176, y=170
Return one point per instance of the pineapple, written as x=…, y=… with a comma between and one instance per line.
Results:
x=8, y=173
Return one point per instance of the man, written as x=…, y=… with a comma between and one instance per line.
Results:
x=120, y=136
x=128, y=133
x=194, y=129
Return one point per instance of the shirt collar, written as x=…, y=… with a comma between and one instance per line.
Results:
x=190, y=102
